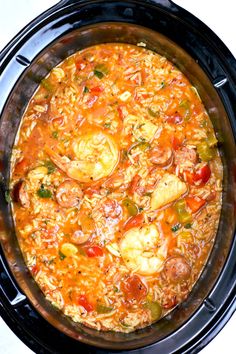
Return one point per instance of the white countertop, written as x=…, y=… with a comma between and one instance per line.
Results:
x=220, y=17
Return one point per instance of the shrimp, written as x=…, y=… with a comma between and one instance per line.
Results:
x=96, y=157
x=140, y=252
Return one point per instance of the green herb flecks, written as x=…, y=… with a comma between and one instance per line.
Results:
x=44, y=193
x=163, y=84
x=55, y=134
x=188, y=226
x=175, y=227
x=141, y=139
x=115, y=289
x=61, y=256
x=50, y=166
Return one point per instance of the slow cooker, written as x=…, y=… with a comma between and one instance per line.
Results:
x=171, y=31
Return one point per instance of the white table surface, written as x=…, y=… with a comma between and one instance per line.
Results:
x=220, y=16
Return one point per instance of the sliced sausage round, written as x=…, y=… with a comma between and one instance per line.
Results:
x=21, y=195
x=185, y=157
x=69, y=194
x=79, y=237
x=115, y=181
x=161, y=155
x=111, y=209
x=177, y=269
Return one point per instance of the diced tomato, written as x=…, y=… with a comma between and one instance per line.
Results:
x=34, y=269
x=143, y=75
x=195, y=203
x=96, y=89
x=82, y=301
x=176, y=143
x=189, y=177
x=134, y=288
x=58, y=121
x=134, y=183
x=202, y=175
x=122, y=111
x=80, y=65
x=137, y=79
x=172, y=243
x=199, y=177
x=175, y=119
x=21, y=166
x=134, y=221
x=94, y=251
x=140, y=96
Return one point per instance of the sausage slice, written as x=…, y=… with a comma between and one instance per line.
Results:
x=69, y=194
x=111, y=209
x=21, y=195
x=161, y=155
x=79, y=237
x=177, y=269
x=185, y=157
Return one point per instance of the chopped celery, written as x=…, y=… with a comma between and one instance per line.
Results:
x=103, y=308
x=153, y=111
x=130, y=206
x=155, y=308
x=70, y=61
x=100, y=70
x=184, y=216
x=184, y=237
x=47, y=85
x=211, y=139
x=185, y=105
x=142, y=145
x=205, y=152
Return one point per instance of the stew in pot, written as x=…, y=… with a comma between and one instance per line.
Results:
x=116, y=186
